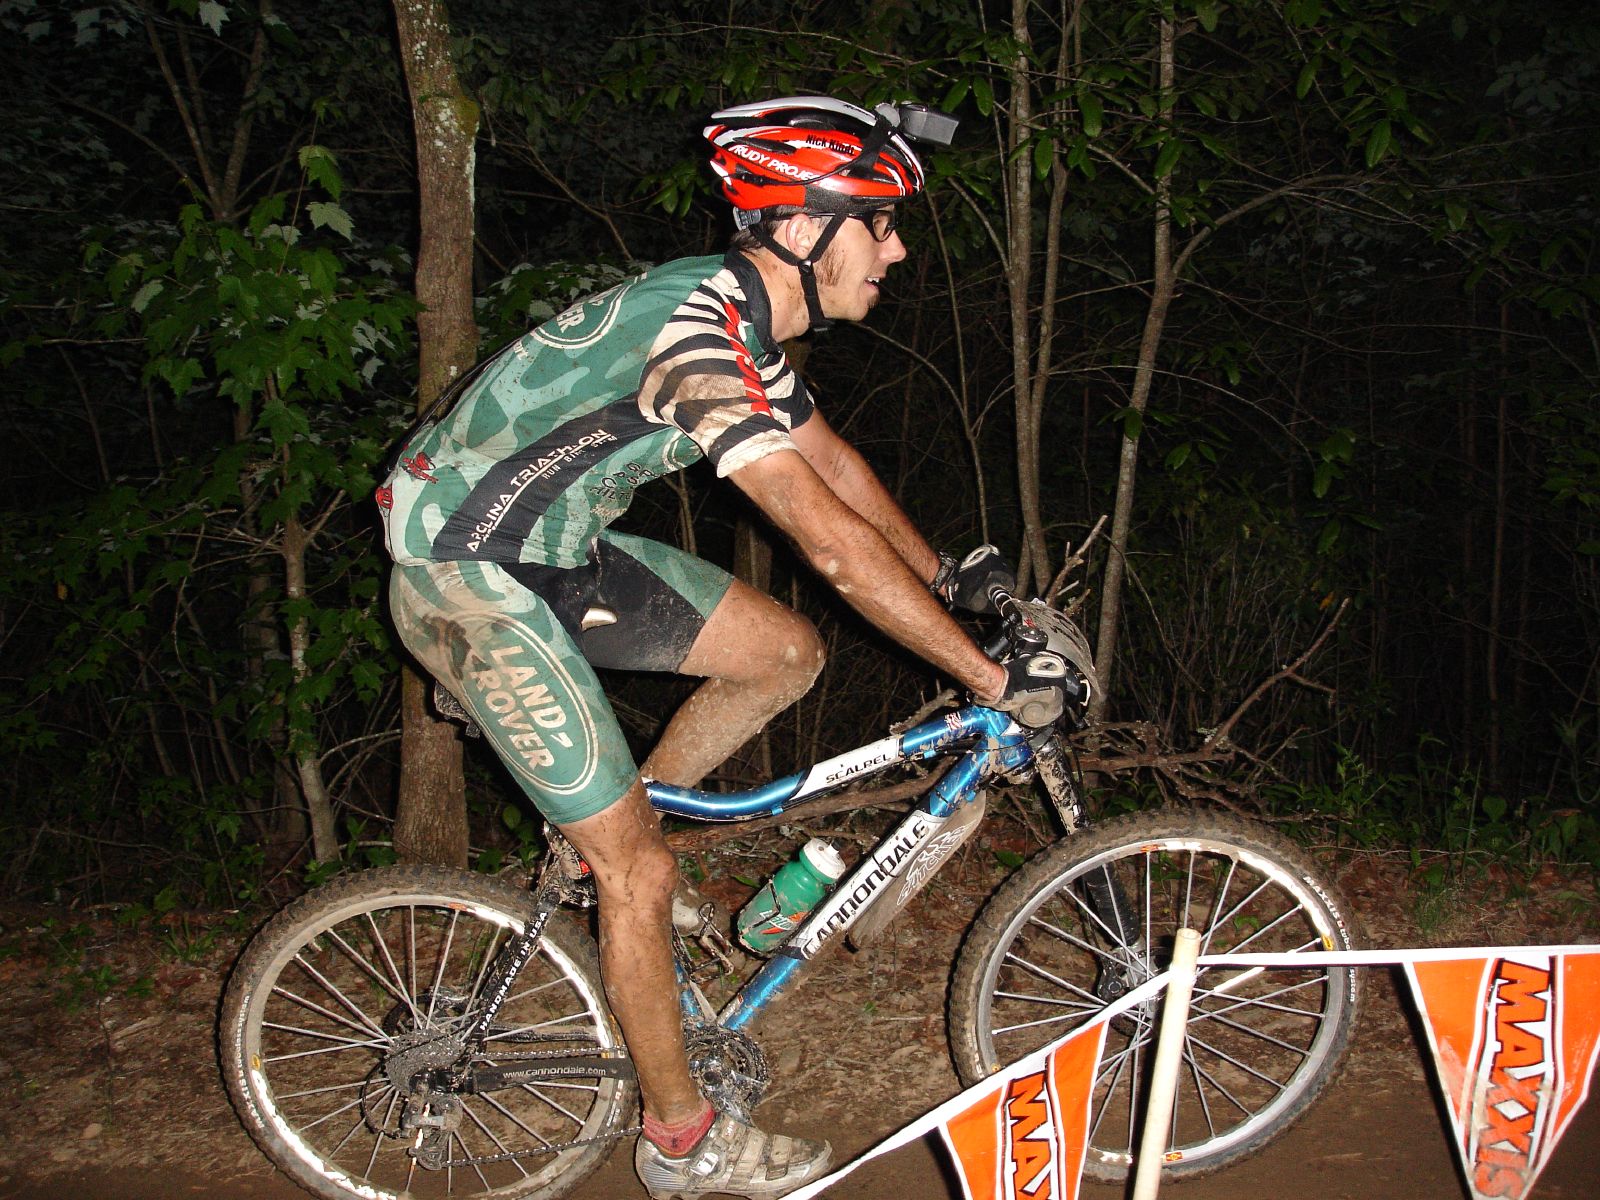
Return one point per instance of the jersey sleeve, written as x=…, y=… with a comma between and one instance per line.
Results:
x=702, y=378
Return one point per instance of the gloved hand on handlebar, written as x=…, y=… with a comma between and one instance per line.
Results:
x=1038, y=689
x=969, y=583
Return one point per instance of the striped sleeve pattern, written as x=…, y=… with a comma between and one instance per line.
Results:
x=702, y=377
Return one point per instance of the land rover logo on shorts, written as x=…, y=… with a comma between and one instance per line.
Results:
x=586, y=322
x=532, y=707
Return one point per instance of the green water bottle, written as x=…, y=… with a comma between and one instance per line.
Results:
x=787, y=899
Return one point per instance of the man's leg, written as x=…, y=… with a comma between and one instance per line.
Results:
x=757, y=657
x=634, y=874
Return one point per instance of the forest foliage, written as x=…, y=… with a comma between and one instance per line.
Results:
x=1372, y=375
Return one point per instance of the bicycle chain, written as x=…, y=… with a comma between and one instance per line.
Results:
x=483, y=1160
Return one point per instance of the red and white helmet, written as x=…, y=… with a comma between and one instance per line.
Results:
x=811, y=152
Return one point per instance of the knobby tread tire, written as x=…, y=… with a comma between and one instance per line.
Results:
x=1002, y=922
x=568, y=949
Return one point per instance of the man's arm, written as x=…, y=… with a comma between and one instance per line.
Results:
x=848, y=550
x=841, y=466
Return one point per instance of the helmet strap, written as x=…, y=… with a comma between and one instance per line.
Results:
x=806, y=266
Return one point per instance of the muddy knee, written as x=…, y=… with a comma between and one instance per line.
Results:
x=800, y=656
x=643, y=885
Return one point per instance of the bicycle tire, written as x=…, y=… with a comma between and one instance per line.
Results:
x=330, y=986
x=1260, y=1047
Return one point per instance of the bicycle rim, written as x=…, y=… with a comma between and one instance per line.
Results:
x=332, y=994
x=1260, y=1045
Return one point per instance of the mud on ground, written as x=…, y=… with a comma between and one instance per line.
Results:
x=107, y=1033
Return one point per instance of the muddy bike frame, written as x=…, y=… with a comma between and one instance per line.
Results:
x=989, y=743
x=900, y=863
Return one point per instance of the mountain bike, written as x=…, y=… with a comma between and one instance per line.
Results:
x=418, y=1031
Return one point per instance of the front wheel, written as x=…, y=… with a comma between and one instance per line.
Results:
x=361, y=987
x=1095, y=915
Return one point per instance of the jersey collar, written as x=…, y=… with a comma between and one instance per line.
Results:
x=758, y=306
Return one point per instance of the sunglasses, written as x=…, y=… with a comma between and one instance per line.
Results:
x=880, y=222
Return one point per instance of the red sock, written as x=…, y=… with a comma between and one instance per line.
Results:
x=677, y=1139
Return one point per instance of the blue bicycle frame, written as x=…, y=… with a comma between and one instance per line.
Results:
x=919, y=843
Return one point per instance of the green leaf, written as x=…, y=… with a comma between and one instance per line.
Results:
x=1338, y=446
x=322, y=168
x=1094, y=113
x=1171, y=150
x=331, y=216
x=1303, y=13
x=1042, y=147
x=1322, y=478
x=212, y=15
x=983, y=95
x=1208, y=11
x=141, y=298
x=1179, y=455
x=1378, y=142
x=1308, y=77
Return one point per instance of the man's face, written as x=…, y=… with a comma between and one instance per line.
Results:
x=852, y=268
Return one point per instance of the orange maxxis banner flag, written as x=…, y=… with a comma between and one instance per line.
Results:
x=1025, y=1137
x=1514, y=1036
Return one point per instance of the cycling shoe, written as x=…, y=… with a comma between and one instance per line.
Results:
x=735, y=1158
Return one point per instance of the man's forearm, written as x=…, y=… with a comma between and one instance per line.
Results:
x=855, y=482
x=867, y=569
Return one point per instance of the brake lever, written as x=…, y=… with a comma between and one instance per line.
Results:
x=1018, y=632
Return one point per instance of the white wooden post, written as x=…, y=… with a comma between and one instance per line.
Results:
x=1169, y=1057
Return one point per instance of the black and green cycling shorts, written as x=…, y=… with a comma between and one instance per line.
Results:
x=508, y=641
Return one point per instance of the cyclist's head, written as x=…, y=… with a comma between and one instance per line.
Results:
x=818, y=155
x=810, y=153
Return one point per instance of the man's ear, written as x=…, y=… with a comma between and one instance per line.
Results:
x=799, y=234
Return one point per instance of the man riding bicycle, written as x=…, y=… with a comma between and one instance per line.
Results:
x=511, y=588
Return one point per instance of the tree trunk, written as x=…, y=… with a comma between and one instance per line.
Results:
x=1019, y=286
x=1143, y=376
x=431, y=813
x=296, y=541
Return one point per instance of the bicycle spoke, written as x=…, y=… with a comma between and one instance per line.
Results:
x=493, y=1137
x=514, y=1119
x=1073, y=940
x=333, y=1087
x=1264, y=1001
x=382, y=943
x=280, y=1058
x=367, y=968
x=1113, y=937
x=330, y=1115
x=333, y=990
x=1048, y=977
x=1232, y=1061
x=326, y=1012
x=1249, y=1031
x=1087, y=1007
x=444, y=957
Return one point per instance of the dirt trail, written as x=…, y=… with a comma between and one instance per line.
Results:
x=120, y=1096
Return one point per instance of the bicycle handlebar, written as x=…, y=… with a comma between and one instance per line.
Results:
x=1020, y=635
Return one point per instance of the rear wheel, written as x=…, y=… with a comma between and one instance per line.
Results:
x=359, y=987
x=1096, y=914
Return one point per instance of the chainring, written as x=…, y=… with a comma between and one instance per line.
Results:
x=729, y=1067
